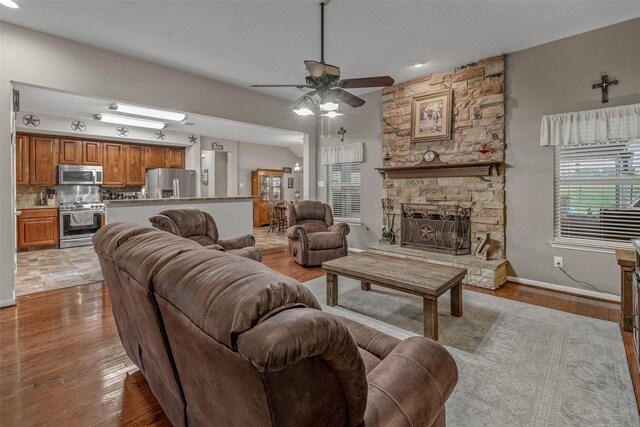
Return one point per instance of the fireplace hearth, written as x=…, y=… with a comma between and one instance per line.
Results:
x=438, y=228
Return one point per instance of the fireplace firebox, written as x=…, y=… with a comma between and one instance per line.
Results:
x=437, y=228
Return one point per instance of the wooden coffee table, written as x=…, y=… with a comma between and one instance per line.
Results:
x=424, y=279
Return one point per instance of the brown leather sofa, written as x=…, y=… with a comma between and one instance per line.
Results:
x=200, y=227
x=313, y=237
x=226, y=341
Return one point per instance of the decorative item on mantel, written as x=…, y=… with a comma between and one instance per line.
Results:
x=431, y=166
x=388, y=235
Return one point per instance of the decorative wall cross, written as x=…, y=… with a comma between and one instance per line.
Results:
x=341, y=132
x=604, y=85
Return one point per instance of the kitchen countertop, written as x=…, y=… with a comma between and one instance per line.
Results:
x=180, y=200
x=25, y=208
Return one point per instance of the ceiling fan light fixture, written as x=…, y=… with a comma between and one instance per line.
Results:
x=329, y=106
x=332, y=114
x=304, y=107
x=418, y=64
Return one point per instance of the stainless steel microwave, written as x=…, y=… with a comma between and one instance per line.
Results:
x=79, y=175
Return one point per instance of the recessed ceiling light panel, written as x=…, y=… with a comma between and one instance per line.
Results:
x=10, y=4
x=148, y=112
x=130, y=121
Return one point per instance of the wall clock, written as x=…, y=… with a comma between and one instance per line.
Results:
x=430, y=156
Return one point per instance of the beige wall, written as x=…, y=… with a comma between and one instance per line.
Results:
x=258, y=156
x=555, y=78
x=35, y=58
x=362, y=125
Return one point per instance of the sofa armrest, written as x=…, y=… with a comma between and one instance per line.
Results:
x=297, y=232
x=238, y=242
x=215, y=247
x=164, y=223
x=340, y=227
x=411, y=385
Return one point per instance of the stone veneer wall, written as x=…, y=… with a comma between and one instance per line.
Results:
x=478, y=118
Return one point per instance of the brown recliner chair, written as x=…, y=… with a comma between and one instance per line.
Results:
x=313, y=237
x=200, y=227
x=225, y=341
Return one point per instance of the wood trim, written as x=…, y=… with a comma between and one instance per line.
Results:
x=427, y=170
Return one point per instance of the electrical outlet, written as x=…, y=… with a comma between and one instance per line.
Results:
x=557, y=261
x=242, y=185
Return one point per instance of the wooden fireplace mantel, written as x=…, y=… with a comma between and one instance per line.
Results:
x=439, y=169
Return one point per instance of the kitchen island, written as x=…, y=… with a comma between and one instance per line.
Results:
x=233, y=215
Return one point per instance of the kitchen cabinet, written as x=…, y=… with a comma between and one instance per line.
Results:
x=156, y=157
x=175, y=157
x=43, y=160
x=267, y=189
x=76, y=152
x=37, y=227
x=92, y=153
x=70, y=152
x=135, y=165
x=22, y=159
x=113, y=168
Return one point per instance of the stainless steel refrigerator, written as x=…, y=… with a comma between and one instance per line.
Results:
x=170, y=183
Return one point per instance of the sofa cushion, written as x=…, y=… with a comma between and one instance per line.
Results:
x=313, y=226
x=202, y=240
x=226, y=295
x=325, y=240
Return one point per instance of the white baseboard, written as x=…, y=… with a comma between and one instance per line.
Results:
x=356, y=250
x=562, y=288
x=7, y=302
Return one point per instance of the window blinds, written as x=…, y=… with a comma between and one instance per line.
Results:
x=344, y=191
x=597, y=187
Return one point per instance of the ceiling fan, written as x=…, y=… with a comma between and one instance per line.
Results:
x=328, y=88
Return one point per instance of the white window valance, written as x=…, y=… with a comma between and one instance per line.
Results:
x=348, y=153
x=591, y=126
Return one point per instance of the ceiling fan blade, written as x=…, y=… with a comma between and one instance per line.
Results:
x=378, y=81
x=298, y=86
x=347, y=98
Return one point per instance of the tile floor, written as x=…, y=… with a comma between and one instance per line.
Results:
x=49, y=269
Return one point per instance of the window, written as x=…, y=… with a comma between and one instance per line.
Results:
x=343, y=192
x=597, y=192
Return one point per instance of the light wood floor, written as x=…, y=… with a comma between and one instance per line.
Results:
x=61, y=362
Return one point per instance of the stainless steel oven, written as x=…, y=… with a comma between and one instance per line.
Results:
x=78, y=223
x=79, y=175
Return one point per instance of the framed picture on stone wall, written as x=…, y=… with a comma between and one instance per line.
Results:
x=431, y=117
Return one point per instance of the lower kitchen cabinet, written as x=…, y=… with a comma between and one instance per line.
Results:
x=38, y=227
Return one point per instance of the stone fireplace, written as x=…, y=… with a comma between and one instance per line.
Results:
x=477, y=137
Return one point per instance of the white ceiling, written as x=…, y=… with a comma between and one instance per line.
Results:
x=265, y=42
x=55, y=103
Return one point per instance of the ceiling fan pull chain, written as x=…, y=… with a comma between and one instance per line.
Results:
x=322, y=32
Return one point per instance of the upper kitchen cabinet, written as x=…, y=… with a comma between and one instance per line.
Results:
x=135, y=165
x=43, y=160
x=70, y=152
x=92, y=153
x=175, y=157
x=113, y=169
x=22, y=159
x=75, y=152
x=156, y=157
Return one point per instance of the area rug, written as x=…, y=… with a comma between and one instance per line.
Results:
x=519, y=364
